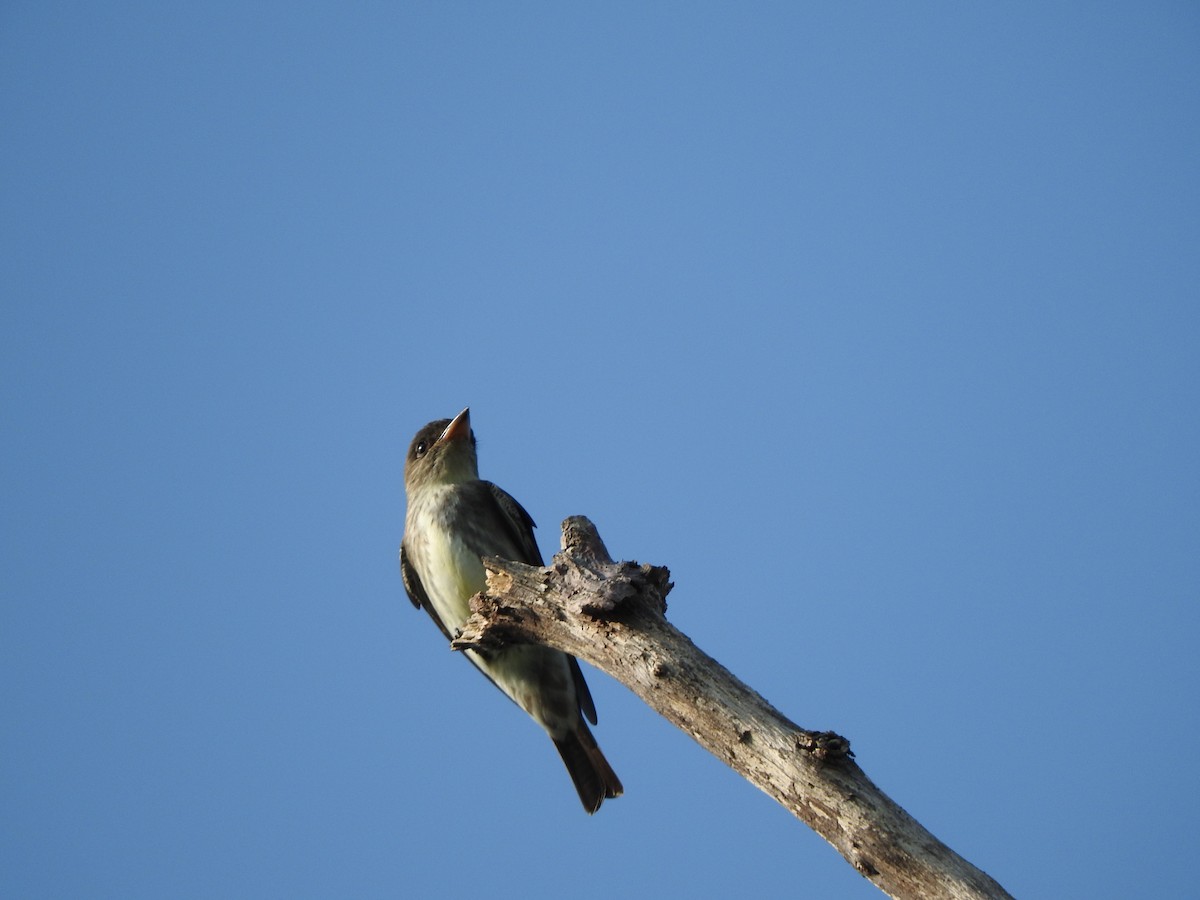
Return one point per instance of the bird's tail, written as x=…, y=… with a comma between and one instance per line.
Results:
x=593, y=776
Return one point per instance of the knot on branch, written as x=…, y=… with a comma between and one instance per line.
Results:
x=599, y=587
x=824, y=745
x=609, y=590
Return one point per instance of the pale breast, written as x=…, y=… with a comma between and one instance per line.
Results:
x=451, y=573
x=449, y=570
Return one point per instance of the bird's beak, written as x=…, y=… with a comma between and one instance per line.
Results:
x=459, y=427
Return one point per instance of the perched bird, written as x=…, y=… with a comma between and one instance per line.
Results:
x=453, y=520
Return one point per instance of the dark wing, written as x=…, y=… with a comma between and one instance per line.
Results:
x=587, y=705
x=520, y=526
x=416, y=591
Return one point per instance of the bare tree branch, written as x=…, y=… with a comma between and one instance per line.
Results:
x=612, y=615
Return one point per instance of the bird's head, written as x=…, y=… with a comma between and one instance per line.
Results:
x=443, y=452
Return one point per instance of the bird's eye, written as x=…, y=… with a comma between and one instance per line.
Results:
x=422, y=446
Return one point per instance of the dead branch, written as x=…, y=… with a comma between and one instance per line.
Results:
x=612, y=615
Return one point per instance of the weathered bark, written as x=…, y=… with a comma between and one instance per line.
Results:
x=612, y=615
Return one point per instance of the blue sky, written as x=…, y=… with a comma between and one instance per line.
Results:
x=876, y=323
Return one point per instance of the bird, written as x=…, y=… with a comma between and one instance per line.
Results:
x=453, y=519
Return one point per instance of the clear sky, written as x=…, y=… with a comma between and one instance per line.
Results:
x=876, y=323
